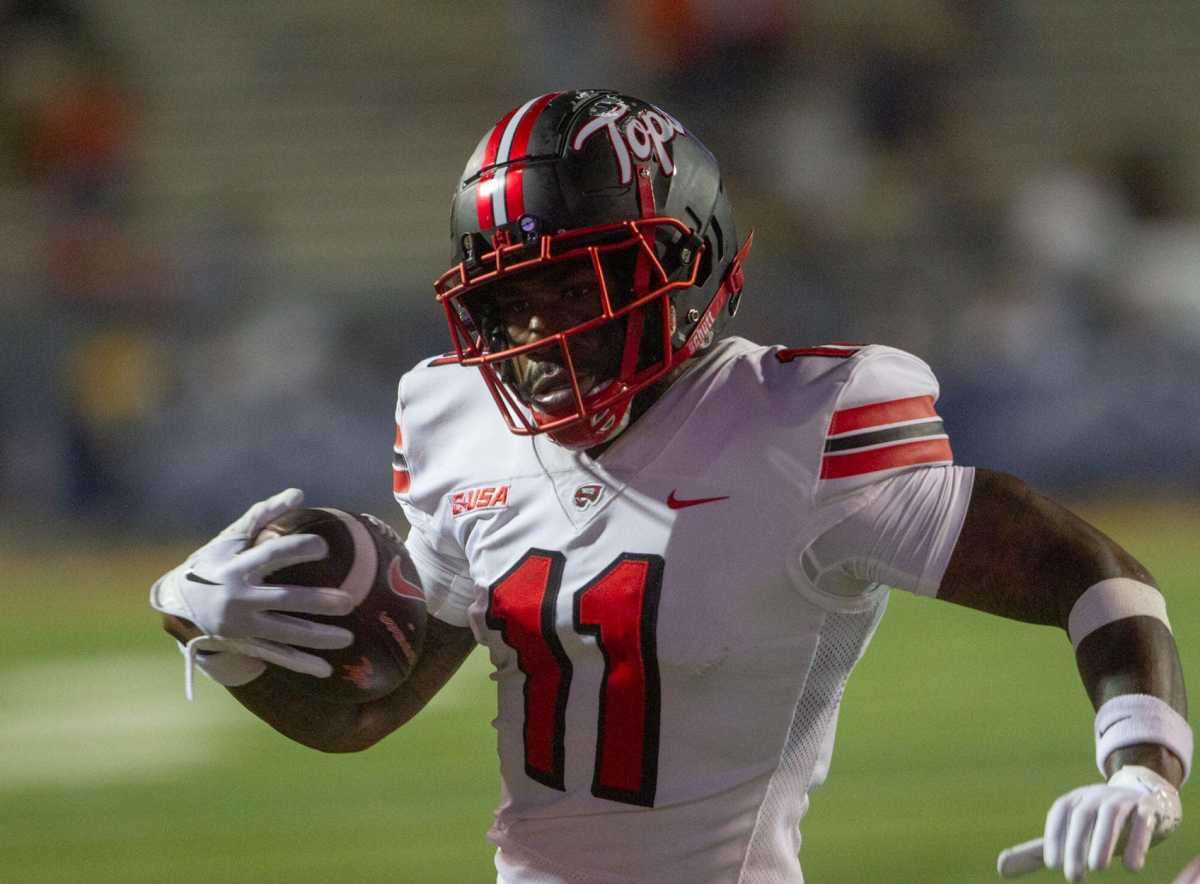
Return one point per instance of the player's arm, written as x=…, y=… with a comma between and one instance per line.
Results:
x=333, y=727
x=1022, y=556
x=231, y=627
x=351, y=728
x=901, y=515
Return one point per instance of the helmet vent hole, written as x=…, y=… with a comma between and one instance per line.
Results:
x=719, y=236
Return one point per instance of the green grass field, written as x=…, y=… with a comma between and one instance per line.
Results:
x=957, y=732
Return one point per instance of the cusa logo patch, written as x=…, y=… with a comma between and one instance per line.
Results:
x=486, y=497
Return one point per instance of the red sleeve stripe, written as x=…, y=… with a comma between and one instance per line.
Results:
x=873, y=460
x=881, y=413
x=501, y=198
x=837, y=351
x=401, y=478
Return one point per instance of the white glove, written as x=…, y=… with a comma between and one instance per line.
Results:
x=1084, y=826
x=1190, y=875
x=218, y=589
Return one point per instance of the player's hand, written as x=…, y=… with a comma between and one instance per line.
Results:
x=1084, y=827
x=219, y=589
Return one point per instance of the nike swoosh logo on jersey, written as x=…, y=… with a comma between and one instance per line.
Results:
x=676, y=503
x=196, y=578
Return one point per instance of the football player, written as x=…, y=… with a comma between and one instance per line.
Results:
x=675, y=544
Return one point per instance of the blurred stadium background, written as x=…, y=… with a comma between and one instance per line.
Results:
x=220, y=222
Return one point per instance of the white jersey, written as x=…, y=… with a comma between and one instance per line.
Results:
x=672, y=625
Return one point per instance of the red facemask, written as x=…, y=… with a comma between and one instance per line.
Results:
x=631, y=299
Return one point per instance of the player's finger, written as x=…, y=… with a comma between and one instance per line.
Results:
x=1021, y=859
x=1140, y=831
x=1110, y=822
x=260, y=514
x=323, y=600
x=1079, y=834
x=303, y=633
x=1057, y=821
x=284, y=656
x=281, y=552
x=1190, y=874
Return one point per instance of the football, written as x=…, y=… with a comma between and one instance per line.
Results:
x=367, y=559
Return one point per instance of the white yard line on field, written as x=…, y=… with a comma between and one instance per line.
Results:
x=96, y=719
x=100, y=719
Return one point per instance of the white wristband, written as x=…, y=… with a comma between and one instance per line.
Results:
x=1130, y=719
x=1114, y=599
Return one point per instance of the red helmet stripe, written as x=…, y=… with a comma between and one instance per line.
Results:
x=483, y=192
x=498, y=189
x=514, y=195
x=508, y=141
x=520, y=142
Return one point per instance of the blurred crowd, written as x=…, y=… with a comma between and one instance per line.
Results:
x=149, y=386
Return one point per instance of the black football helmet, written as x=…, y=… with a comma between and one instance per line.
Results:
x=606, y=186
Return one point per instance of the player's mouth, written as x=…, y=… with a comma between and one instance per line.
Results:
x=551, y=391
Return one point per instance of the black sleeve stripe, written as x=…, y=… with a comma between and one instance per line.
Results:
x=888, y=434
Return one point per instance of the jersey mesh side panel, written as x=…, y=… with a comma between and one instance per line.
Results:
x=775, y=841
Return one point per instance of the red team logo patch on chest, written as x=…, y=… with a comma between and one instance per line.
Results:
x=587, y=495
x=485, y=497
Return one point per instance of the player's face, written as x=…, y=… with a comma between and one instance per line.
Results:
x=536, y=307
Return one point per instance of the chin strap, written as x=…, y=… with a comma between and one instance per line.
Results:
x=730, y=291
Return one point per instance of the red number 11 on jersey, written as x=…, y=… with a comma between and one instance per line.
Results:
x=620, y=608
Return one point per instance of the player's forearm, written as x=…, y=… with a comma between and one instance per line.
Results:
x=334, y=727
x=314, y=723
x=273, y=697
x=1022, y=556
x=1136, y=655
x=328, y=727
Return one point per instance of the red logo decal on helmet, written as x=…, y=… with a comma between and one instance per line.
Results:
x=640, y=136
